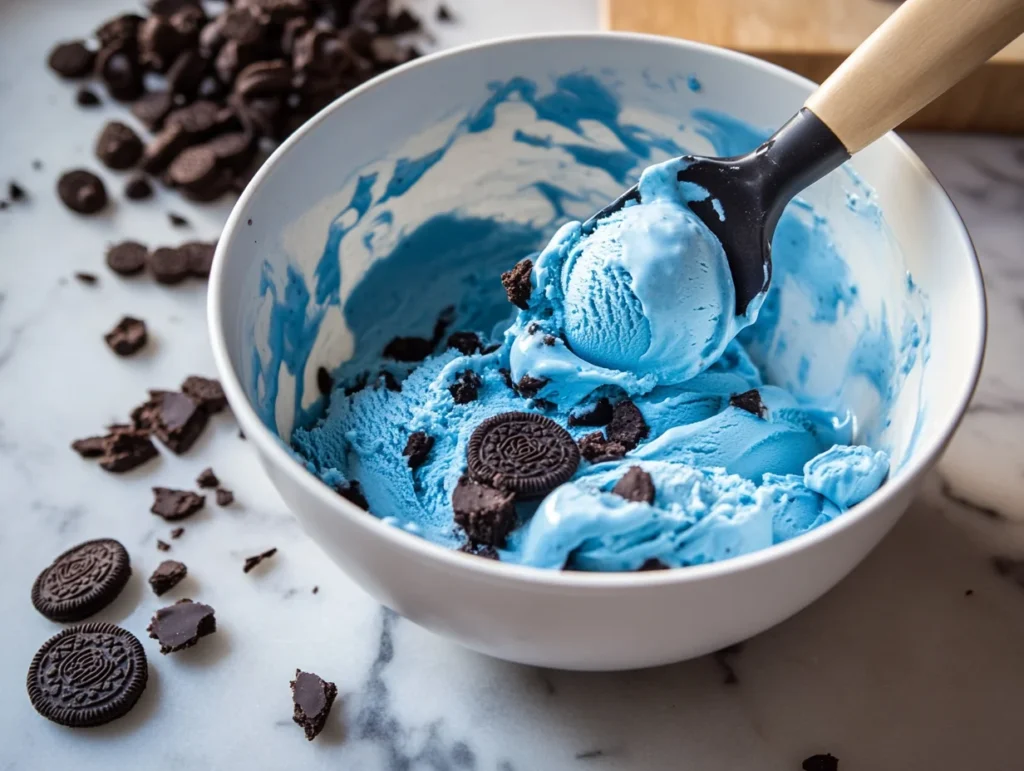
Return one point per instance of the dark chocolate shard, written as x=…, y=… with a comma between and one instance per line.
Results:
x=600, y=414
x=517, y=283
x=352, y=492
x=529, y=386
x=417, y=448
x=597, y=449
x=207, y=478
x=181, y=625
x=312, y=698
x=627, y=426
x=167, y=575
x=636, y=485
x=749, y=401
x=466, y=387
x=408, y=349
x=207, y=391
x=825, y=762
x=486, y=514
x=256, y=559
x=173, y=505
x=466, y=343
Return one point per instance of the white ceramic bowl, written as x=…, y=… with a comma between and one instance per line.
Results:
x=570, y=619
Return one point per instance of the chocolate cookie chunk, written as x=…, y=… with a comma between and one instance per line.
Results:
x=417, y=448
x=162, y=545
x=312, y=697
x=125, y=449
x=90, y=447
x=173, y=505
x=207, y=478
x=152, y=108
x=261, y=79
x=118, y=147
x=224, y=497
x=128, y=337
x=256, y=559
x=627, y=426
x=408, y=349
x=176, y=418
x=177, y=220
x=749, y=401
x=352, y=492
x=826, y=762
x=123, y=28
x=159, y=43
x=517, y=283
x=71, y=59
x=486, y=514
x=180, y=625
x=206, y=391
x=466, y=387
x=87, y=675
x=82, y=191
x=167, y=575
x=234, y=150
x=523, y=452
x=324, y=381
x=244, y=25
x=194, y=170
x=137, y=188
x=529, y=386
x=163, y=148
x=199, y=255
x=466, y=343
x=89, y=279
x=636, y=485
x=118, y=66
x=169, y=266
x=186, y=73
x=82, y=581
x=480, y=550
x=600, y=414
x=652, y=564
x=127, y=258
x=86, y=97
x=597, y=449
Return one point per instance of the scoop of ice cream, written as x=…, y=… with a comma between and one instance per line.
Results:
x=650, y=290
x=847, y=475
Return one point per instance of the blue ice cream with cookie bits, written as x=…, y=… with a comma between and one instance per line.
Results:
x=624, y=348
x=600, y=372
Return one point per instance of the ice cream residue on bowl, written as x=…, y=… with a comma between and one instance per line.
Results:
x=746, y=443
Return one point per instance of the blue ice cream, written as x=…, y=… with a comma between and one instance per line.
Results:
x=622, y=287
x=736, y=464
x=733, y=438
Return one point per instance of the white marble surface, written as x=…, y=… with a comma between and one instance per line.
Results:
x=897, y=668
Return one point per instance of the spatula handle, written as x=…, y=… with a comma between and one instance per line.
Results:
x=916, y=54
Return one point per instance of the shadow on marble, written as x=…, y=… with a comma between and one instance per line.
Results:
x=127, y=601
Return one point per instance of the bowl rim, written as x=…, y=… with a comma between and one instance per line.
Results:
x=273, y=449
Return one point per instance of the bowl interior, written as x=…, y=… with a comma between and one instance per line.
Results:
x=423, y=186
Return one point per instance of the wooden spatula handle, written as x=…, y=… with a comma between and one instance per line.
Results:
x=916, y=54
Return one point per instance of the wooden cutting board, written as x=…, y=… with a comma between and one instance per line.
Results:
x=813, y=36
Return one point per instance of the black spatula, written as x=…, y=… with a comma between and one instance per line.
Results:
x=920, y=51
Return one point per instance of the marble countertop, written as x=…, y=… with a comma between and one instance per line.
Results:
x=914, y=662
